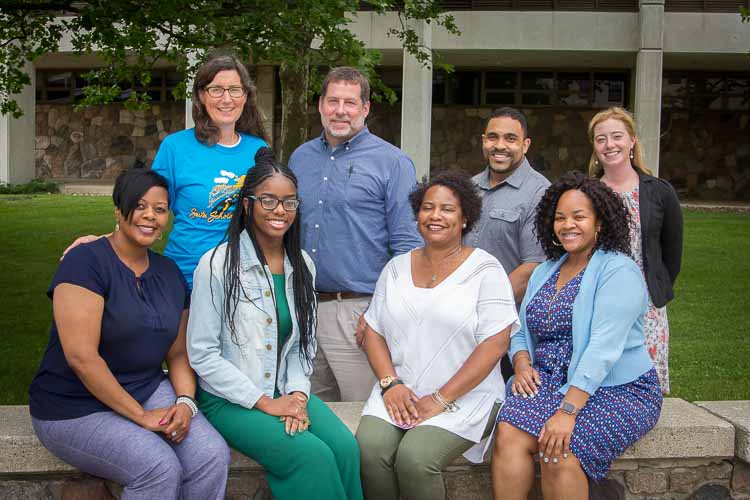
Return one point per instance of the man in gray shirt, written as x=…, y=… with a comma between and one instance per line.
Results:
x=510, y=191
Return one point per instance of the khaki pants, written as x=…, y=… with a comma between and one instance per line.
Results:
x=341, y=371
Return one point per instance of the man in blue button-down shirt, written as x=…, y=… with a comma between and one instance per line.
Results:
x=356, y=215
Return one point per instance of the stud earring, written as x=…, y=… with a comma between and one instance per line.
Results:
x=596, y=162
x=464, y=226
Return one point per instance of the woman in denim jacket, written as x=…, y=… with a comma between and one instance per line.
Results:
x=251, y=340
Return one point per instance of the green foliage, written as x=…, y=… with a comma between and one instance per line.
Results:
x=131, y=36
x=35, y=186
x=25, y=34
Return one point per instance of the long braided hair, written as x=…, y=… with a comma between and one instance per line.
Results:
x=305, y=302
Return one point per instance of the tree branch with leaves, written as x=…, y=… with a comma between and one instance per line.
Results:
x=130, y=37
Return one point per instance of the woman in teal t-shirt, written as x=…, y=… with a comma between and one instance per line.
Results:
x=205, y=166
x=251, y=340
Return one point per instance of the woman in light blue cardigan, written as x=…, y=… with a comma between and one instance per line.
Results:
x=585, y=388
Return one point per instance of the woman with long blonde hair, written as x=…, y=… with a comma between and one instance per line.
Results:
x=655, y=220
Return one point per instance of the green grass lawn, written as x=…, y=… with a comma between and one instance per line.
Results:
x=709, y=319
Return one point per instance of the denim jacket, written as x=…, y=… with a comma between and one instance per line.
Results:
x=242, y=372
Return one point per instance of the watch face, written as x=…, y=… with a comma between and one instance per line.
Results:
x=385, y=382
x=567, y=407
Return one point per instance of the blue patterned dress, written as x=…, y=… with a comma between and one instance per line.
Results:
x=613, y=418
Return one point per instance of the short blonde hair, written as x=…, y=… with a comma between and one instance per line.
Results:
x=620, y=114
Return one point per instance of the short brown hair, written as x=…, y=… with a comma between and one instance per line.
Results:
x=347, y=74
x=249, y=122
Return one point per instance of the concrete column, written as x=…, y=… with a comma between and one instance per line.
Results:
x=18, y=137
x=648, y=78
x=192, y=57
x=265, y=82
x=416, y=105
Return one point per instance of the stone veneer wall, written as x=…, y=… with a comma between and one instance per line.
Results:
x=699, y=161
x=704, y=154
x=100, y=141
x=559, y=140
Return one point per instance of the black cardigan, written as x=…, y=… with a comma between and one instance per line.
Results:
x=661, y=236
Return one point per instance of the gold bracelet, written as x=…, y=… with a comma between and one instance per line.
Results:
x=451, y=407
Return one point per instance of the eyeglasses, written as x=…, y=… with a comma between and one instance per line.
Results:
x=270, y=203
x=235, y=92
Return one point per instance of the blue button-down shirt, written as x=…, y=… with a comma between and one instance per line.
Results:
x=355, y=210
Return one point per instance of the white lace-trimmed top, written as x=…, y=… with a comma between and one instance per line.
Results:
x=430, y=336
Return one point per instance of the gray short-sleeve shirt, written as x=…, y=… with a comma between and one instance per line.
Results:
x=506, y=227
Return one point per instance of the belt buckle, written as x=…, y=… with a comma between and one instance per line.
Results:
x=339, y=298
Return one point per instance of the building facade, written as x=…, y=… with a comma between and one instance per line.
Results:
x=681, y=66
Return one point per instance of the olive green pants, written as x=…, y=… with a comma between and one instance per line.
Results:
x=408, y=464
x=321, y=463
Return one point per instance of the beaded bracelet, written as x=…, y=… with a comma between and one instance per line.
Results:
x=189, y=402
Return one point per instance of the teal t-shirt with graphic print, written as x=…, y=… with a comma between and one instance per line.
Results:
x=204, y=182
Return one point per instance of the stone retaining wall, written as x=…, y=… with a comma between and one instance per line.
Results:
x=696, y=452
x=647, y=480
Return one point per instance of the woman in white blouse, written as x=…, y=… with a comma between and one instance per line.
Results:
x=439, y=322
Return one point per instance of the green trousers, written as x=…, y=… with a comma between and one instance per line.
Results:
x=321, y=463
x=408, y=464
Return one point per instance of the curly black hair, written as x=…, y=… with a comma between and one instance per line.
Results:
x=614, y=234
x=462, y=187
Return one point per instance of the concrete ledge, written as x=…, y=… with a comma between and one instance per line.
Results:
x=684, y=431
x=738, y=414
x=88, y=188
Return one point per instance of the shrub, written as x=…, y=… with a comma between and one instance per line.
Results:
x=35, y=186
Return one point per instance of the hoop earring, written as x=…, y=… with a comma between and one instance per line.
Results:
x=555, y=242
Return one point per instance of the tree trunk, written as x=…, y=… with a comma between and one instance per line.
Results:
x=295, y=83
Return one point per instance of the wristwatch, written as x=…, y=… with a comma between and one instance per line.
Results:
x=569, y=408
x=387, y=382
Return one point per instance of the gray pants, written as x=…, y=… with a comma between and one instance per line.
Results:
x=147, y=465
x=408, y=464
x=341, y=371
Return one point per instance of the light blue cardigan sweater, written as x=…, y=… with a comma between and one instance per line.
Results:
x=608, y=339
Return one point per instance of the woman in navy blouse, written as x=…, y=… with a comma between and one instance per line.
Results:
x=100, y=400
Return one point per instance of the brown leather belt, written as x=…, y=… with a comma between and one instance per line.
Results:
x=328, y=296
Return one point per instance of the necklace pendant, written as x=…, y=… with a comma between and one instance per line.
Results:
x=434, y=277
